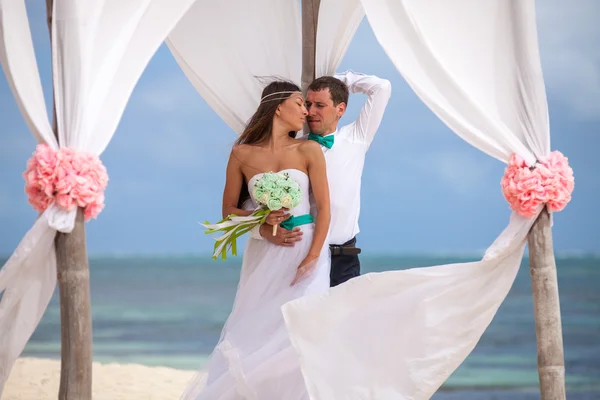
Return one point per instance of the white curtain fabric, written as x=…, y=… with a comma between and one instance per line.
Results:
x=100, y=48
x=227, y=50
x=337, y=24
x=400, y=334
x=252, y=43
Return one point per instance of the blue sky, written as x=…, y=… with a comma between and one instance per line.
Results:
x=424, y=189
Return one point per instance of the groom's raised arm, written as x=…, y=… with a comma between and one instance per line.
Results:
x=378, y=93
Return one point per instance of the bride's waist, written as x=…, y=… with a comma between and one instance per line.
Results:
x=297, y=214
x=297, y=219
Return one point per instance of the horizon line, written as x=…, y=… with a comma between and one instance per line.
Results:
x=431, y=254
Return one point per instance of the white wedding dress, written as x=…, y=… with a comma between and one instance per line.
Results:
x=254, y=359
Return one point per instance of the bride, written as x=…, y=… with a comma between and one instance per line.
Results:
x=254, y=359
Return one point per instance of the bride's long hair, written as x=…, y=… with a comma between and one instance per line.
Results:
x=260, y=126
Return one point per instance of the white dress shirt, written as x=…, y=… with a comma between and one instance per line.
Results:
x=346, y=159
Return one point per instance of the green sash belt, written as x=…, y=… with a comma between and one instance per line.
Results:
x=293, y=221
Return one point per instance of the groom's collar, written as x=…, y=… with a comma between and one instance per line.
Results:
x=305, y=136
x=332, y=133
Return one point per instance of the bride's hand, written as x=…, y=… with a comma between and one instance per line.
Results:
x=277, y=217
x=305, y=268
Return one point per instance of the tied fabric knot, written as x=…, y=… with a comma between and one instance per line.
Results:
x=326, y=141
x=293, y=221
x=67, y=178
x=548, y=181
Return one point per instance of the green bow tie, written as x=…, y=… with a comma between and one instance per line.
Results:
x=326, y=141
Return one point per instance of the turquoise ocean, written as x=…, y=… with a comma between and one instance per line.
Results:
x=169, y=311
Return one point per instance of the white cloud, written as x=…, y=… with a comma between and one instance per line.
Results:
x=569, y=39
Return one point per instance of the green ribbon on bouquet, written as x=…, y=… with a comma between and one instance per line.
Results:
x=233, y=227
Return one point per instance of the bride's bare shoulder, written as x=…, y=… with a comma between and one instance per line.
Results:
x=309, y=146
x=243, y=150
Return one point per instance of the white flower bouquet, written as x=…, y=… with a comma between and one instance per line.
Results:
x=272, y=191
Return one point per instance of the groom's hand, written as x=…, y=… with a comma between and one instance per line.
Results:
x=283, y=237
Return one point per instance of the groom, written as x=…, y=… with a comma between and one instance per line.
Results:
x=344, y=149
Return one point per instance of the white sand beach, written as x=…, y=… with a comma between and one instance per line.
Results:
x=39, y=379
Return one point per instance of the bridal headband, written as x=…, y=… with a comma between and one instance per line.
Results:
x=279, y=98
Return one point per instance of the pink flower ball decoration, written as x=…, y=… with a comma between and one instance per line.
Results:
x=550, y=181
x=40, y=177
x=68, y=177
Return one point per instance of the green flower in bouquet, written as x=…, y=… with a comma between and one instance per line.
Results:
x=275, y=190
x=272, y=191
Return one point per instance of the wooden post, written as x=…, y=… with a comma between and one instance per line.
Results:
x=310, y=16
x=74, y=289
x=548, y=329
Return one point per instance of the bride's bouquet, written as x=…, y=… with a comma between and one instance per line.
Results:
x=272, y=191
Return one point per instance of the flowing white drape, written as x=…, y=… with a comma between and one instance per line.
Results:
x=400, y=334
x=252, y=43
x=99, y=50
x=337, y=24
x=227, y=49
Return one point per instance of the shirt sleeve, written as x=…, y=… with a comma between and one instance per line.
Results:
x=378, y=93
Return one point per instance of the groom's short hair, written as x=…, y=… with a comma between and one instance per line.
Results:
x=338, y=89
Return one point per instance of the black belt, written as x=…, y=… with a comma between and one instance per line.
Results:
x=347, y=249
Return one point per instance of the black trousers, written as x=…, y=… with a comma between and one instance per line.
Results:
x=344, y=267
